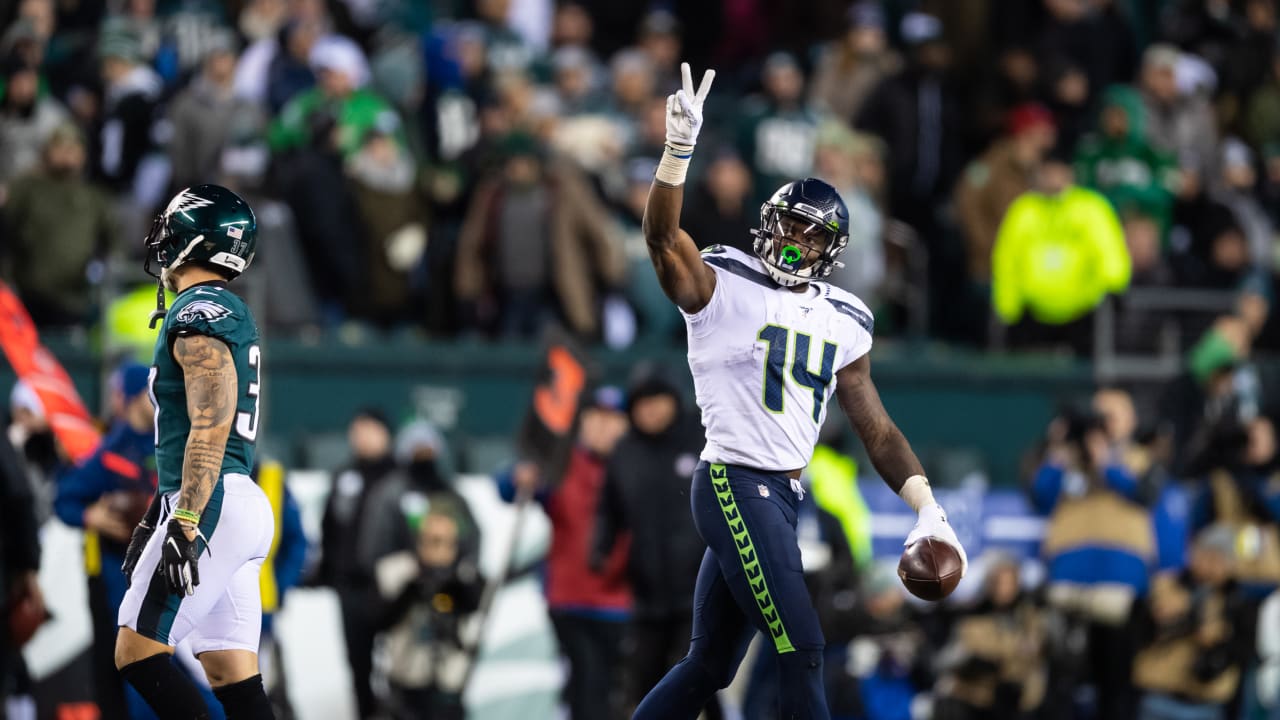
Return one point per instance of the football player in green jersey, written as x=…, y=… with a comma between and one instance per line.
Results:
x=198, y=577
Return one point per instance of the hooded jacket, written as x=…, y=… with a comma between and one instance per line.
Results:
x=1057, y=256
x=646, y=494
x=1128, y=170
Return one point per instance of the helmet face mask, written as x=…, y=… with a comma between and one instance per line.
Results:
x=803, y=229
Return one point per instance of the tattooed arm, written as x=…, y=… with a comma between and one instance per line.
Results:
x=210, y=373
x=886, y=446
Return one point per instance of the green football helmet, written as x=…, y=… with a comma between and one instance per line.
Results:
x=205, y=223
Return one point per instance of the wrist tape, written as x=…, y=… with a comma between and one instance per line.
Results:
x=674, y=164
x=916, y=492
x=187, y=515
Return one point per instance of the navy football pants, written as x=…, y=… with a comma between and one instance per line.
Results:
x=751, y=579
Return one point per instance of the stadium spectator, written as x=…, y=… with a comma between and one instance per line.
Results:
x=1058, y=254
x=659, y=38
x=107, y=495
x=395, y=509
x=1095, y=36
x=28, y=116
x=383, y=180
x=281, y=572
x=207, y=114
x=918, y=115
x=131, y=93
x=341, y=566
x=536, y=245
x=1119, y=162
x=848, y=69
x=431, y=590
x=995, y=664
x=886, y=650
x=992, y=182
x=648, y=474
x=853, y=163
x=1099, y=548
x=1179, y=119
x=589, y=607
x=1193, y=651
x=1067, y=93
x=1234, y=186
x=777, y=130
x=721, y=211
x=53, y=211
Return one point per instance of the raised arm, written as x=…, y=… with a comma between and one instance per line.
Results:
x=891, y=454
x=683, y=276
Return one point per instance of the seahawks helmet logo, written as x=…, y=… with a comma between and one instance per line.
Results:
x=184, y=201
x=206, y=310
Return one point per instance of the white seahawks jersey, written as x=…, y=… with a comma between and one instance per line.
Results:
x=764, y=360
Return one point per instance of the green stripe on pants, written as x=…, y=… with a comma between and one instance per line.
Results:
x=747, y=554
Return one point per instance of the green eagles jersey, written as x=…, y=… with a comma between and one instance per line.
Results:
x=207, y=309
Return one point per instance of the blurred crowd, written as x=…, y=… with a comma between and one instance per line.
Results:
x=479, y=168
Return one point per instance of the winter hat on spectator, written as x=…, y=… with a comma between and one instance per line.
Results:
x=340, y=54
x=131, y=379
x=24, y=397
x=865, y=15
x=418, y=435
x=572, y=57
x=1027, y=117
x=608, y=397
x=920, y=28
x=1218, y=538
x=1236, y=154
x=660, y=22
x=630, y=60
x=118, y=40
x=780, y=60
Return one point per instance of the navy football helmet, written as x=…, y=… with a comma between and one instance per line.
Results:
x=803, y=229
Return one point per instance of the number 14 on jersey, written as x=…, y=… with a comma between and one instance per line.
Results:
x=776, y=339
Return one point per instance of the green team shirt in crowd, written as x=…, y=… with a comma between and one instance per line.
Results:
x=206, y=309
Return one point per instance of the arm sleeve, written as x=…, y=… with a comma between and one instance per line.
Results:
x=1119, y=479
x=1109, y=239
x=609, y=519
x=1045, y=488
x=1006, y=296
x=79, y=487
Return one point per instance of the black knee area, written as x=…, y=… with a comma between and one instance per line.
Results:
x=801, y=693
x=715, y=665
x=168, y=691
x=245, y=700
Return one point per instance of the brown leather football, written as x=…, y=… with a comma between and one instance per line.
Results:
x=930, y=569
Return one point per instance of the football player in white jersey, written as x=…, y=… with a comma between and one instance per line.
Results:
x=769, y=343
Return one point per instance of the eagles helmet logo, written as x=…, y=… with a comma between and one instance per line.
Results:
x=206, y=310
x=184, y=201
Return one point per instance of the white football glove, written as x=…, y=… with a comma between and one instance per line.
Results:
x=684, y=108
x=932, y=522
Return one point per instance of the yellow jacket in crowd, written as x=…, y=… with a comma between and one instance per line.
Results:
x=1057, y=256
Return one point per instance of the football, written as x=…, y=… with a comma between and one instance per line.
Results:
x=930, y=569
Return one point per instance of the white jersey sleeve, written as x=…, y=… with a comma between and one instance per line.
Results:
x=764, y=360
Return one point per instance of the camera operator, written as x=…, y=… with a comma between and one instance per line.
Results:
x=430, y=591
x=1099, y=548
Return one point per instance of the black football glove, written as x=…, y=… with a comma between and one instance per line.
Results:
x=141, y=535
x=179, y=558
